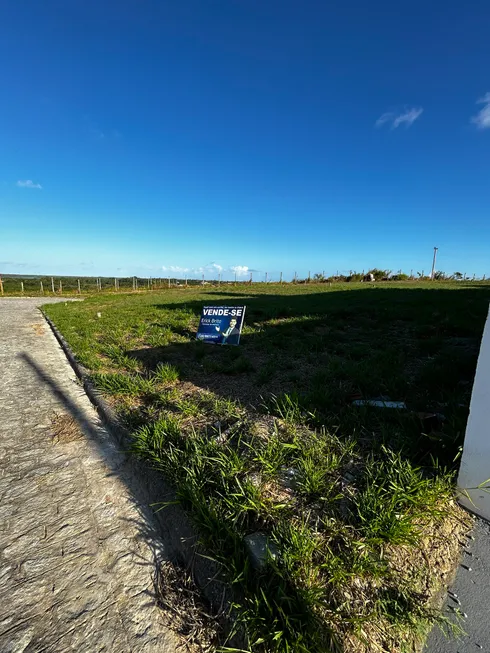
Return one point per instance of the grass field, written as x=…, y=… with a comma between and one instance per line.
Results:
x=357, y=503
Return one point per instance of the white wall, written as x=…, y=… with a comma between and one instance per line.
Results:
x=475, y=463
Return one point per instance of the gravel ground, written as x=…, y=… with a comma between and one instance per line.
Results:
x=77, y=549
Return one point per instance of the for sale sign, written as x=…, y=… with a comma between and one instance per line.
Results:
x=221, y=325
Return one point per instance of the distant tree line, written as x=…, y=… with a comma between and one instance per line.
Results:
x=377, y=274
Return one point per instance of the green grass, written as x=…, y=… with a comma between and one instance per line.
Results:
x=264, y=438
x=166, y=373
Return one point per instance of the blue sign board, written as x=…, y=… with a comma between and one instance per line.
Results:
x=221, y=325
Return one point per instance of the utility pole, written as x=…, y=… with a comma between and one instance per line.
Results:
x=266, y=277
x=434, y=263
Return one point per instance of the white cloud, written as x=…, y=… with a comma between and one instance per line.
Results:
x=213, y=267
x=407, y=117
x=240, y=270
x=386, y=117
x=174, y=269
x=482, y=118
x=211, y=270
x=27, y=183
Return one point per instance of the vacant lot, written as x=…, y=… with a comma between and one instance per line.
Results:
x=356, y=503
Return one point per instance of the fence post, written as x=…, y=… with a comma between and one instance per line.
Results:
x=79, y=289
x=309, y=276
x=42, y=289
x=22, y=287
x=186, y=281
x=61, y=287
x=1, y=286
x=52, y=284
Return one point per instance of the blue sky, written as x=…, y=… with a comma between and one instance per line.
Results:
x=148, y=136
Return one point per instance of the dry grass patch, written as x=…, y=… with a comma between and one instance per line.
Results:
x=64, y=429
x=184, y=610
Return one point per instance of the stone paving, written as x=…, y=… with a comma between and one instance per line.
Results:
x=77, y=550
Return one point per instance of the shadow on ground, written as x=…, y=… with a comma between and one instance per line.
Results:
x=167, y=533
x=414, y=345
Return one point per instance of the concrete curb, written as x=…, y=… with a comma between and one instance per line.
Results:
x=105, y=411
x=174, y=524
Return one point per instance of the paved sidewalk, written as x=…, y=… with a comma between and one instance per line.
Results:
x=77, y=552
x=469, y=602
